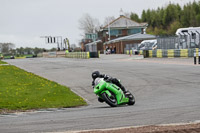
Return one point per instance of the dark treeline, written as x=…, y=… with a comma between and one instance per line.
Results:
x=166, y=20
x=28, y=50
x=8, y=49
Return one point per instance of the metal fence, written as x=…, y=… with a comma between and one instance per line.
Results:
x=91, y=48
x=177, y=42
x=131, y=47
x=171, y=42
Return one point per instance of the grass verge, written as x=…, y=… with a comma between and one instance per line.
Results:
x=21, y=90
x=2, y=62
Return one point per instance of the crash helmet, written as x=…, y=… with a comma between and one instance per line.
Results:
x=95, y=74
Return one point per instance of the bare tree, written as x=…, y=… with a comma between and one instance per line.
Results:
x=108, y=20
x=89, y=24
x=127, y=14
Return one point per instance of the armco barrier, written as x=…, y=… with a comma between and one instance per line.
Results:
x=94, y=54
x=169, y=53
x=196, y=56
x=141, y=52
x=150, y=53
x=159, y=53
x=127, y=52
x=82, y=55
x=184, y=53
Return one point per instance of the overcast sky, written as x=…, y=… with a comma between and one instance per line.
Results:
x=22, y=22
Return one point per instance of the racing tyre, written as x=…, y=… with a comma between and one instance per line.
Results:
x=110, y=100
x=100, y=100
x=131, y=100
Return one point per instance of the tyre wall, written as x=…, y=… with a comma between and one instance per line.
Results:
x=168, y=53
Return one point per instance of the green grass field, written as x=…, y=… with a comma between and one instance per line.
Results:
x=2, y=62
x=21, y=90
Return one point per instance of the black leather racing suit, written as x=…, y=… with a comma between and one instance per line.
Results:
x=112, y=80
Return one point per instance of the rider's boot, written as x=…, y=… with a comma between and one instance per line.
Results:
x=125, y=91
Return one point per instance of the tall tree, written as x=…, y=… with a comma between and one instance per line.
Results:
x=173, y=27
x=143, y=17
x=108, y=19
x=20, y=51
x=89, y=24
x=6, y=47
x=134, y=17
x=166, y=20
x=148, y=16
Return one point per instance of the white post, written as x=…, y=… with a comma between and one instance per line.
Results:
x=109, y=31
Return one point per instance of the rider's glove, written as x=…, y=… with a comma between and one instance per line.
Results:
x=106, y=77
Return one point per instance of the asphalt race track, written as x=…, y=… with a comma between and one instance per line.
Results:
x=166, y=91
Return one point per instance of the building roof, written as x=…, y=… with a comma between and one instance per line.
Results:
x=124, y=22
x=137, y=36
x=92, y=43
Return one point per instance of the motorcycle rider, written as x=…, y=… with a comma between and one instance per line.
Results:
x=96, y=74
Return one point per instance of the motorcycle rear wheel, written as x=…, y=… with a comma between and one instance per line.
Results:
x=112, y=101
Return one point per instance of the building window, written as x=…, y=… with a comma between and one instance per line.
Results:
x=92, y=36
x=115, y=32
x=134, y=31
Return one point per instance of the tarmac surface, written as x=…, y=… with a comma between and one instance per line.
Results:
x=166, y=91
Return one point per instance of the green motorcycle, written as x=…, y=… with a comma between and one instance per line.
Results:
x=111, y=93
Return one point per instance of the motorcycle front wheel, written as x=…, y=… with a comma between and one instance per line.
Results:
x=131, y=100
x=110, y=100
